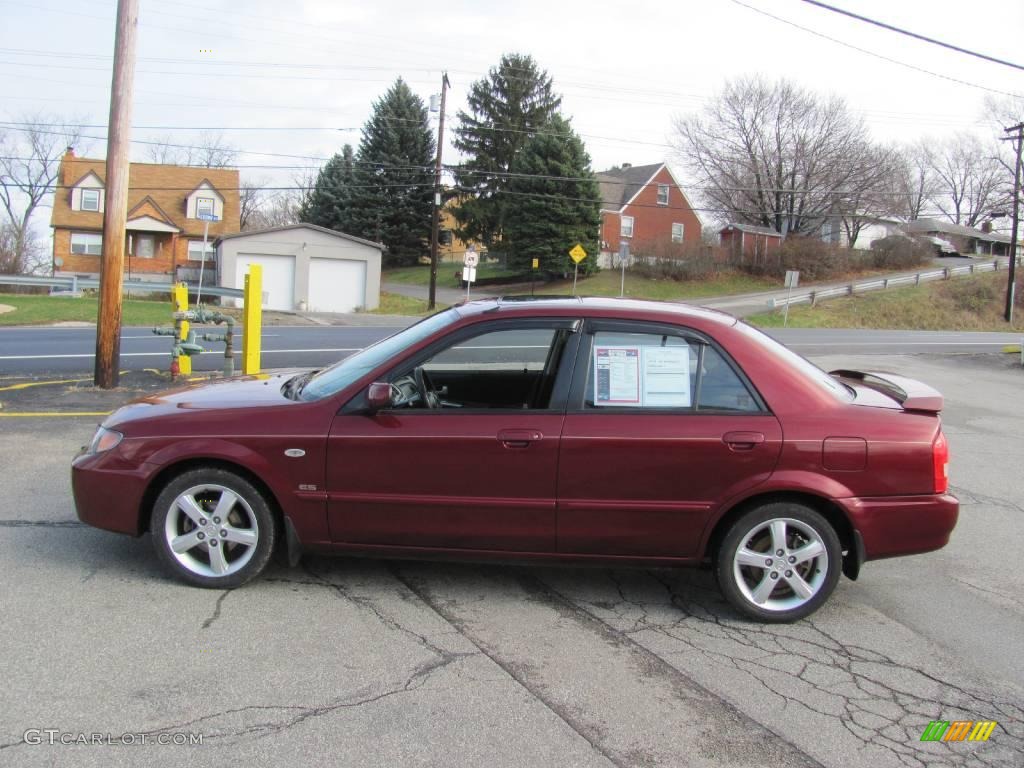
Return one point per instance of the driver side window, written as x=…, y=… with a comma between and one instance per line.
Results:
x=514, y=368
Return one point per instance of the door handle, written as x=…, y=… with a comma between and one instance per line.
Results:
x=519, y=438
x=742, y=441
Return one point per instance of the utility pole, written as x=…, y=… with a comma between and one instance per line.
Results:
x=115, y=212
x=431, y=300
x=1010, y=284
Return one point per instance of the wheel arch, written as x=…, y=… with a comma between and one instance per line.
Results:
x=849, y=537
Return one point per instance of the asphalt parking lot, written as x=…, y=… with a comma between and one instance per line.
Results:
x=367, y=663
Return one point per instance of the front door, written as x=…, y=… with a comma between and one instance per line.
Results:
x=661, y=428
x=467, y=456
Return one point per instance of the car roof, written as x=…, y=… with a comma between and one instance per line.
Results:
x=534, y=306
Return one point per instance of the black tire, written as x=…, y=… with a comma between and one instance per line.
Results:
x=233, y=559
x=802, y=527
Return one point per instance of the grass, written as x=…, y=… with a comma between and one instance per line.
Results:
x=396, y=304
x=607, y=283
x=32, y=309
x=960, y=304
x=420, y=275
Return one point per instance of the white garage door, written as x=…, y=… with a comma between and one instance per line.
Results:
x=336, y=285
x=278, y=278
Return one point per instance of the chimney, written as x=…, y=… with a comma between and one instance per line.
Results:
x=986, y=226
x=65, y=164
x=626, y=165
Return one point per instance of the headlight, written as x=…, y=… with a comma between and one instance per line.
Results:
x=104, y=440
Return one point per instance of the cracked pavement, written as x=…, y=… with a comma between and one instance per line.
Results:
x=359, y=662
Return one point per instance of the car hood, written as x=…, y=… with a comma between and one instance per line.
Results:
x=255, y=391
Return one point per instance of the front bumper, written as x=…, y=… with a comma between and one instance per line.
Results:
x=108, y=492
x=902, y=525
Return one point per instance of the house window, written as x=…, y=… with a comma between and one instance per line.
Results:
x=145, y=246
x=663, y=194
x=195, y=250
x=677, y=232
x=626, y=230
x=204, y=206
x=87, y=243
x=90, y=199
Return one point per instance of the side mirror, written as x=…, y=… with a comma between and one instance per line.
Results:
x=378, y=395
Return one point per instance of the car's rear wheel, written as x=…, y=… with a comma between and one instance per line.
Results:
x=212, y=528
x=779, y=562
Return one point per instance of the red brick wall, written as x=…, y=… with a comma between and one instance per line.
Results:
x=652, y=222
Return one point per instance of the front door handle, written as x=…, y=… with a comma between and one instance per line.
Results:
x=519, y=438
x=742, y=441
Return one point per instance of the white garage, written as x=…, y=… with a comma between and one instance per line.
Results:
x=305, y=267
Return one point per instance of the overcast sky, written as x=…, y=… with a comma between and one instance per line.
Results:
x=306, y=73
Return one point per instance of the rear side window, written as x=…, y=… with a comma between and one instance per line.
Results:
x=661, y=371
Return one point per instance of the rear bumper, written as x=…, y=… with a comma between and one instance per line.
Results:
x=108, y=494
x=902, y=525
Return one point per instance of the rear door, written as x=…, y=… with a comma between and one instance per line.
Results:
x=661, y=428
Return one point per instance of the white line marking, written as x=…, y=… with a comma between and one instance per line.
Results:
x=166, y=354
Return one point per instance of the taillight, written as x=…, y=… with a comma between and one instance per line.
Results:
x=940, y=463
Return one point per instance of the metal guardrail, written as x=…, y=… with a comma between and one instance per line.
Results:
x=74, y=284
x=814, y=296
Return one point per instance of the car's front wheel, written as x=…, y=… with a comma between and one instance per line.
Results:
x=212, y=528
x=779, y=562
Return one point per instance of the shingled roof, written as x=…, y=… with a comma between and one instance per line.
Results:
x=619, y=185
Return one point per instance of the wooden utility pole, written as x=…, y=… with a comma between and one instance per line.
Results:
x=431, y=300
x=1010, y=285
x=115, y=211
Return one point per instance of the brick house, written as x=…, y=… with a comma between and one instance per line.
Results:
x=164, y=239
x=645, y=205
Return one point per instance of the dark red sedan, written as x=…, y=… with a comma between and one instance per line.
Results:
x=617, y=431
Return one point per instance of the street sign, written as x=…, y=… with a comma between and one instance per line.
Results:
x=469, y=274
x=792, y=278
x=207, y=217
x=577, y=253
x=536, y=263
x=471, y=259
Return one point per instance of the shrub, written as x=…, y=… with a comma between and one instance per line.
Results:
x=815, y=259
x=675, y=261
x=895, y=252
x=973, y=295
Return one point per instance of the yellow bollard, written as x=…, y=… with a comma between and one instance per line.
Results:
x=253, y=313
x=180, y=298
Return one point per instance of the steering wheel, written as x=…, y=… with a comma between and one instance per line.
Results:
x=423, y=385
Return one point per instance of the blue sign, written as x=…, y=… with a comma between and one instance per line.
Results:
x=207, y=217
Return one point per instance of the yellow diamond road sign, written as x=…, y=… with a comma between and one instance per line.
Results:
x=577, y=253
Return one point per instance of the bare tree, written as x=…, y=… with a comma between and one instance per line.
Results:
x=210, y=150
x=970, y=180
x=250, y=201
x=916, y=181
x=776, y=155
x=874, y=190
x=29, y=164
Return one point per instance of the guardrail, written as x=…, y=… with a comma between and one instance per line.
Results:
x=814, y=296
x=74, y=284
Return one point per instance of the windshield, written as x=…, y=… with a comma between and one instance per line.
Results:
x=345, y=372
x=791, y=358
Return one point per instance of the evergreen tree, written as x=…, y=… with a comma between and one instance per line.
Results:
x=552, y=202
x=391, y=199
x=506, y=108
x=327, y=203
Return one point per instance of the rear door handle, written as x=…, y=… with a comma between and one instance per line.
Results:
x=742, y=441
x=519, y=438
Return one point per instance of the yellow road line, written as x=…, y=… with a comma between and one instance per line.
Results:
x=5, y=414
x=28, y=384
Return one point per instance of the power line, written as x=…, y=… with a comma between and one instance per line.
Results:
x=915, y=35
x=872, y=53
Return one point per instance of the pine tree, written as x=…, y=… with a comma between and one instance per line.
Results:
x=391, y=198
x=552, y=202
x=506, y=108
x=327, y=203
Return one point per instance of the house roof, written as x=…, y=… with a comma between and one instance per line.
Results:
x=620, y=185
x=750, y=229
x=313, y=227
x=166, y=185
x=922, y=226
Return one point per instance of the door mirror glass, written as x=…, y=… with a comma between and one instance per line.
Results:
x=378, y=395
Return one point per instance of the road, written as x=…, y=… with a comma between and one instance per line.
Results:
x=46, y=350
x=367, y=663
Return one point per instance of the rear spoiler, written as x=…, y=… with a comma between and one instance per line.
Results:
x=911, y=394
